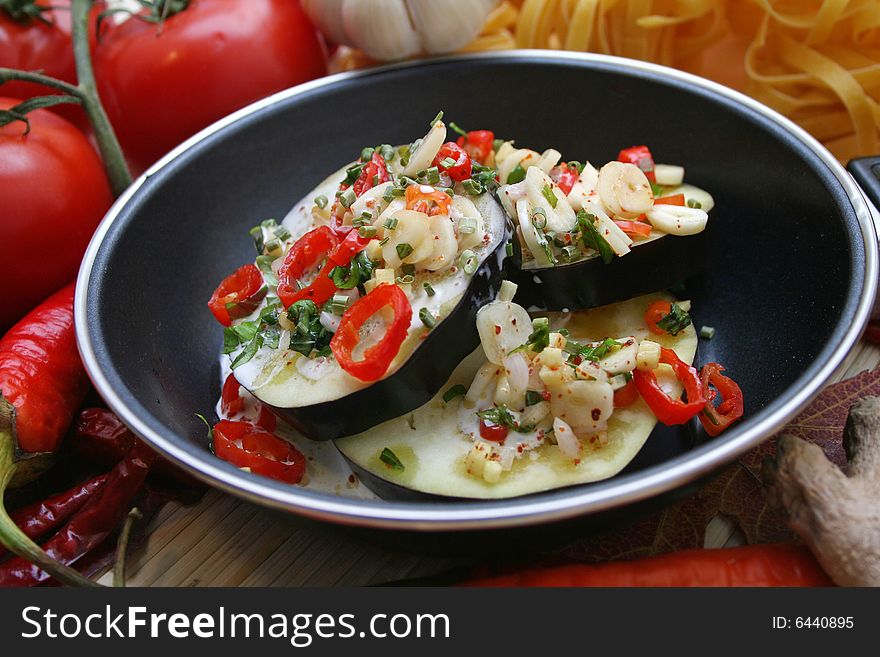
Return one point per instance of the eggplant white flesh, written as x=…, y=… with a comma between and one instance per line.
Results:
x=322, y=401
x=432, y=447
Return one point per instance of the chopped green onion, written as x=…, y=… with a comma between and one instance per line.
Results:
x=408, y=269
x=467, y=225
x=694, y=203
x=707, y=332
x=365, y=219
x=321, y=201
x=431, y=176
x=367, y=231
x=498, y=143
x=427, y=318
x=346, y=278
x=447, y=163
x=390, y=459
x=339, y=304
x=429, y=289
x=456, y=128
x=574, y=164
x=539, y=219
x=472, y=187
x=508, y=249
x=533, y=397
x=469, y=261
x=347, y=198
x=457, y=390
x=264, y=263
x=387, y=152
x=407, y=279
x=517, y=175
x=384, y=241
x=367, y=153
x=437, y=118
x=657, y=190
x=352, y=173
x=398, y=192
x=570, y=253
x=403, y=250
x=547, y=191
x=391, y=223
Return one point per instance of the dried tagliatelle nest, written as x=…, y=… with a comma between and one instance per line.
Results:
x=816, y=61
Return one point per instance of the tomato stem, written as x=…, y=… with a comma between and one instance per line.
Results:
x=10, y=535
x=108, y=144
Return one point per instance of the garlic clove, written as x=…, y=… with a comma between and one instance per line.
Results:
x=327, y=17
x=381, y=28
x=447, y=25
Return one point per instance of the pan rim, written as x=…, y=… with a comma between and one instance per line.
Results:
x=486, y=514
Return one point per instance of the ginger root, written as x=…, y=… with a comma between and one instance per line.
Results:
x=837, y=515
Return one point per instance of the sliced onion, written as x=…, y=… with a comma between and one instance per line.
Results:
x=517, y=378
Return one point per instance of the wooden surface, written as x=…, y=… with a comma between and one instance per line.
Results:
x=224, y=541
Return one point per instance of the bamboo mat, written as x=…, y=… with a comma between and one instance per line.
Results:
x=224, y=541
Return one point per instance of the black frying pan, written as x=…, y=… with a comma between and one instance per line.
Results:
x=792, y=253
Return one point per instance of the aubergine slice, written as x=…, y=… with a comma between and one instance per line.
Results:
x=432, y=448
x=571, y=252
x=323, y=402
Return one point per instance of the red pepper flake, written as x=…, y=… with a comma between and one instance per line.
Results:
x=597, y=413
x=497, y=329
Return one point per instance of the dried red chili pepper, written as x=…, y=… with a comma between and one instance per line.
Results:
x=92, y=524
x=101, y=437
x=40, y=518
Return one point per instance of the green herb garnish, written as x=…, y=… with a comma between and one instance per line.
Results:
x=321, y=201
x=517, y=175
x=390, y=459
x=430, y=290
x=676, y=321
x=403, y=250
x=533, y=397
x=592, y=238
x=457, y=390
x=427, y=318
x=500, y=415
x=548, y=194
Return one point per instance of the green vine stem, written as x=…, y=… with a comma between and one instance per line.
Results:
x=87, y=92
x=13, y=538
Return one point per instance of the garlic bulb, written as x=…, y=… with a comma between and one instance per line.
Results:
x=394, y=29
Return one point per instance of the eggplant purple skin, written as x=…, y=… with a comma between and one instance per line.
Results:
x=652, y=267
x=419, y=378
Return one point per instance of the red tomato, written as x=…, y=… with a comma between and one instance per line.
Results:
x=495, y=433
x=44, y=45
x=53, y=193
x=216, y=56
x=238, y=295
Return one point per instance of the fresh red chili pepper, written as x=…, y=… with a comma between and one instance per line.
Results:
x=566, y=177
x=246, y=445
x=101, y=437
x=461, y=166
x=636, y=229
x=675, y=199
x=716, y=419
x=231, y=400
x=374, y=173
x=479, y=144
x=421, y=197
x=641, y=157
x=41, y=374
x=495, y=433
x=90, y=525
x=671, y=411
x=323, y=287
x=238, y=295
x=378, y=357
x=655, y=313
x=305, y=254
x=38, y=519
x=266, y=419
x=627, y=395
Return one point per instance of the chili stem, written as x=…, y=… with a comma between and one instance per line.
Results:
x=108, y=144
x=122, y=547
x=13, y=538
